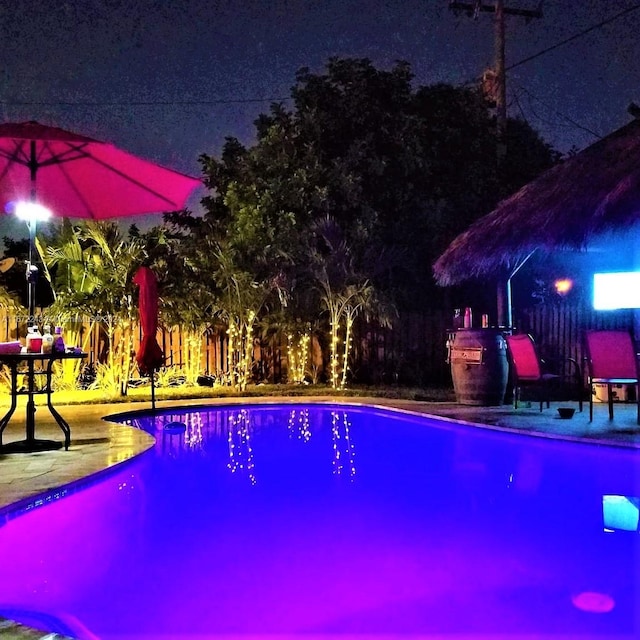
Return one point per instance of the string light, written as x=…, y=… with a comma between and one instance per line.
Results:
x=298, y=357
x=334, y=358
x=240, y=349
x=345, y=309
x=231, y=348
x=347, y=348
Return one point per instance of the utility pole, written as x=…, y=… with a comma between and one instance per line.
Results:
x=474, y=9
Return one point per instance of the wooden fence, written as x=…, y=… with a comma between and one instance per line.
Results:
x=413, y=352
x=92, y=336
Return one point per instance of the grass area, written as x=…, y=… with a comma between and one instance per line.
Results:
x=143, y=394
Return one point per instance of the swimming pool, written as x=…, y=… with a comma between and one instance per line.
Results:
x=334, y=519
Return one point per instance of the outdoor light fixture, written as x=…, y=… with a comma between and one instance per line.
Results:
x=616, y=290
x=563, y=286
x=31, y=212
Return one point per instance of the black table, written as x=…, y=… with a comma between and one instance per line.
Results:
x=13, y=361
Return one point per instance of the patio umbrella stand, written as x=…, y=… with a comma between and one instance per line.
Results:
x=150, y=356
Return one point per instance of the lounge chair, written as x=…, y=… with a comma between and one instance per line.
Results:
x=611, y=359
x=528, y=370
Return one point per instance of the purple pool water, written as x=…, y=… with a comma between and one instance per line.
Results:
x=303, y=519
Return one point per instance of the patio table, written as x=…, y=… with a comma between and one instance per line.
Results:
x=13, y=361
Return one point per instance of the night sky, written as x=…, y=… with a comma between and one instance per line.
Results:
x=170, y=80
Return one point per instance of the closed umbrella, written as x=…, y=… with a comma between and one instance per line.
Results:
x=76, y=176
x=150, y=356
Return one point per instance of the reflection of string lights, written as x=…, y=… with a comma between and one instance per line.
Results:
x=239, y=439
x=128, y=487
x=343, y=451
x=193, y=432
x=298, y=425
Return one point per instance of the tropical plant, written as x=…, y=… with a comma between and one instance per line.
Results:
x=90, y=268
x=299, y=355
x=399, y=172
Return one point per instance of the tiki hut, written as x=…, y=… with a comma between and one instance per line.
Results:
x=595, y=192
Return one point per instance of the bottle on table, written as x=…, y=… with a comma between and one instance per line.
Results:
x=468, y=318
x=34, y=339
x=58, y=341
x=457, y=319
x=47, y=339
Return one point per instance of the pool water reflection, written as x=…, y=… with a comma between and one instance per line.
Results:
x=298, y=519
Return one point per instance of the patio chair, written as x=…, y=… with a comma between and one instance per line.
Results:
x=611, y=359
x=528, y=370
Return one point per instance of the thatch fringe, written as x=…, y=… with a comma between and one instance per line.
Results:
x=593, y=192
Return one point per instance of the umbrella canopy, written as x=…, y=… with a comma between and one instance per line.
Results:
x=79, y=177
x=150, y=355
x=594, y=192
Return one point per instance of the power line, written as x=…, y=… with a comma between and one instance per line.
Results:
x=556, y=46
x=138, y=103
x=473, y=9
x=559, y=113
x=575, y=36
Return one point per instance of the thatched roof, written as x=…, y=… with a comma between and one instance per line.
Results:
x=593, y=192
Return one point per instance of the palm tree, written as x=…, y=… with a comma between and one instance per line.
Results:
x=345, y=293
x=90, y=267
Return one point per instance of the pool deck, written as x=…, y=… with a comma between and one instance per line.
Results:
x=97, y=444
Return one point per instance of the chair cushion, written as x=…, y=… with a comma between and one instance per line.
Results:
x=524, y=357
x=611, y=356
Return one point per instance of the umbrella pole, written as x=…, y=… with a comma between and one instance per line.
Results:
x=32, y=270
x=153, y=390
x=32, y=273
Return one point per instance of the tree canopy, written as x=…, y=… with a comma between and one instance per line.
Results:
x=400, y=170
x=337, y=210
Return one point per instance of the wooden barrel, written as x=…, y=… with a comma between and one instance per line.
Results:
x=479, y=366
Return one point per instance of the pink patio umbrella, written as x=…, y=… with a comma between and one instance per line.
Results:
x=78, y=177
x=150, y=356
